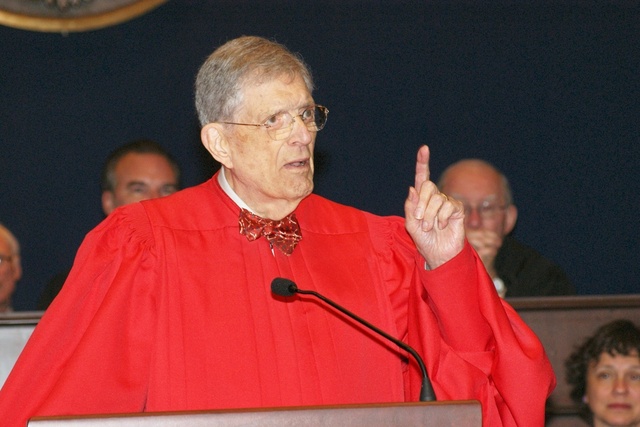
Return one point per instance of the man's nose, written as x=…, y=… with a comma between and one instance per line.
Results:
x=300, y=132
x=472, y=218
x=154, y=193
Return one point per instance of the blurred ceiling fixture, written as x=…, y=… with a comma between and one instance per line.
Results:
x=64, y=4
x=65, y=16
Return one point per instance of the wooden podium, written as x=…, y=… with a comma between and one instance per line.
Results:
x=430, y=414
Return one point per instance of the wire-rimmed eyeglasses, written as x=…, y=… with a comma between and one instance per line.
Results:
x=280, y=125
x=486, y=209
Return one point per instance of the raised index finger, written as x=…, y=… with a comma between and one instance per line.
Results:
x=422, y=167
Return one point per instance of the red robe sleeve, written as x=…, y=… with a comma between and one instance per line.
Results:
x=90, y=320
x=476, y=346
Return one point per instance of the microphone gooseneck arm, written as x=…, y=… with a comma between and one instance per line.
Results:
x=287, y=288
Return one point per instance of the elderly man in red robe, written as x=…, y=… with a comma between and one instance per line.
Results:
x=169, y=305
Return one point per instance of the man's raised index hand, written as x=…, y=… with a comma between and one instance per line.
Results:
x=422, y=167
x=434, y=221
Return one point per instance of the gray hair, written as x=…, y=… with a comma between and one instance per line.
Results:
x=219, y=83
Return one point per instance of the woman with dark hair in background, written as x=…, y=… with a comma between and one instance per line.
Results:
x=604, y=372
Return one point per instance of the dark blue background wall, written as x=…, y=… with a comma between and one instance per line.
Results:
x=548, y=92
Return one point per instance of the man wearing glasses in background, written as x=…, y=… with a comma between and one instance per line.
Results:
x=10, y=268
x=171, y=301
x=490, y=215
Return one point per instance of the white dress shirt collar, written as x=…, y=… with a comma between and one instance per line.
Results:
x=222, y=180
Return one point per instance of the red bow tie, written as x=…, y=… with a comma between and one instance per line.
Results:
x=284, y=234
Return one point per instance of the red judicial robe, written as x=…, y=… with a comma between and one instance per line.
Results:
x=168, y=307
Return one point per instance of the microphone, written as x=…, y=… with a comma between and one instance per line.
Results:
x=286, y=288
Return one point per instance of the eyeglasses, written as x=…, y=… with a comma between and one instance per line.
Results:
x=5, y=258
x=486, y=210
x=280, y=125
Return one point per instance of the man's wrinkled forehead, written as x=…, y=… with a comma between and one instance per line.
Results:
x=251, y=98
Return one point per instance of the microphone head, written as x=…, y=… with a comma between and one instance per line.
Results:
x=283, y=287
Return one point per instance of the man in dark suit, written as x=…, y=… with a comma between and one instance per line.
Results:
x=490, y=215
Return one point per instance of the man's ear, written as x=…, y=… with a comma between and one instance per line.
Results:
x=511, y=216
x=107, y=202
x=215, y=142
x=17, y=268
